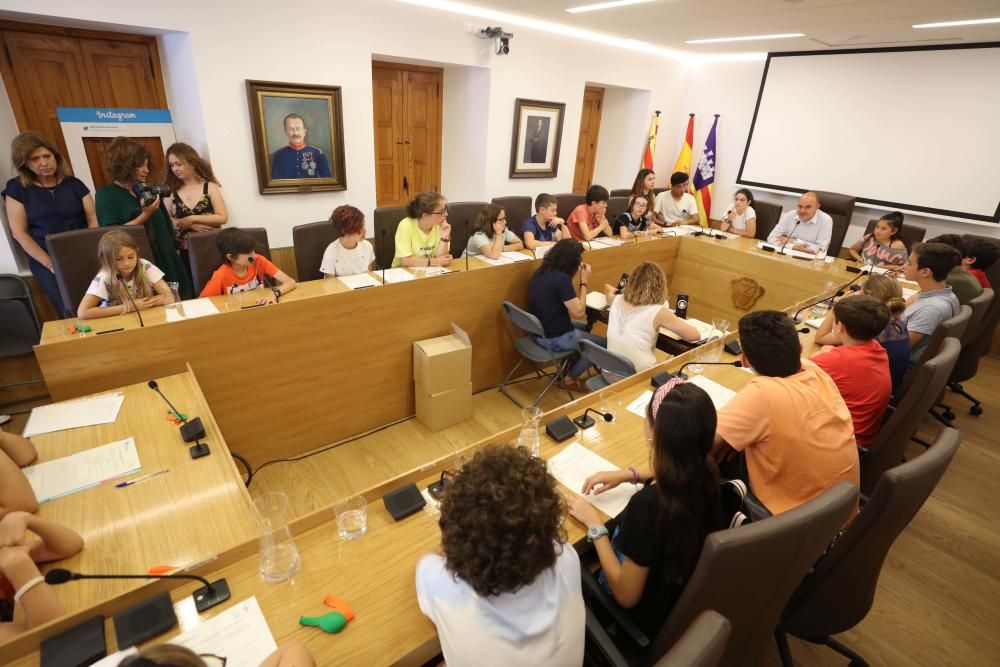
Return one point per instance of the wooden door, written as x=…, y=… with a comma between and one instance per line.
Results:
x=48, y=66
x=586, y=145
x=407, y=118
x=97, y=148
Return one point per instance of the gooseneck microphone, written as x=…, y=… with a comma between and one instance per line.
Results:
x=381, y=253
x=841, y=291
x=191, y=430
x=680, y=371
x=210, y=595
x=128, y=295
x=466, y=253
x=267, y=281
x=788, y=238
x=586, y=421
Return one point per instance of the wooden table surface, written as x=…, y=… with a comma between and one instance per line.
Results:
x=375, y=574
x=196, y=510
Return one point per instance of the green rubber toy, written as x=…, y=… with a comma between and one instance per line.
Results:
x=332, y=622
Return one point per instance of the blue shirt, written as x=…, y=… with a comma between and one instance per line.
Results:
x=306, y=162
x=540, y=233
x=50, y=210
x=547, y=296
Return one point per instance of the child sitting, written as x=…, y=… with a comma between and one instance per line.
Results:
x=244, y=270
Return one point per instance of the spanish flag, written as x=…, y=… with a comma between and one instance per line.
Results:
x=647, y=155
x=704, y=176
x=684, y=159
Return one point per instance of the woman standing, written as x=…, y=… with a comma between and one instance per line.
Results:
x=196, y=203
x=44, y=199
x=119, y=204
x=643, y=185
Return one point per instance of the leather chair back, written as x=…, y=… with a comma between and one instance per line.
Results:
x=839, y=592
x=972, y=343
x=768, y=214
x=518, y=210
x=992, y=316
x=309, y=242
x=567, y=202
x=702, y=645
x=910, y=235
x=840, y=208
x=20, y=329
x=748, y=573
x=621, y=192
x=205, y=257
x=386, y=220
x=74, y=258
x=928, y=381
x=462, y=217
x=616, y=206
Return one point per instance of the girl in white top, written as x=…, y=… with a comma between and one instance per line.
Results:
x=351, y=253
x=122, y=269
x=741, y=219
x=491, y=237
x=636, y=316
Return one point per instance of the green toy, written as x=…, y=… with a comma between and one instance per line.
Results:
x=332, y=622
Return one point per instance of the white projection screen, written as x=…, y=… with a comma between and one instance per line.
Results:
x=911, y=128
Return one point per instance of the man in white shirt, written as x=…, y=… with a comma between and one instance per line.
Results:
x=806, y=229
x=676, y=206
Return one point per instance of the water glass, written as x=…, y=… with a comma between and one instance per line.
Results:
x=279, y=557
x=352, y=517
x=530, y=419
x=721, y=325
x=610, y=402
x=175, y=294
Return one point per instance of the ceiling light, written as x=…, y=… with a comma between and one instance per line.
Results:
x=750, y=38
x=605, y=5
x=949, y=24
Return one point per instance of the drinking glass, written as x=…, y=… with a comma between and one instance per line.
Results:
x=352, y=517
x=610, y=402
x=530, y=419
x=279, y=557
x=175, y=294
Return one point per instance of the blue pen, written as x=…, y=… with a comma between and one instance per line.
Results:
x=151, y=475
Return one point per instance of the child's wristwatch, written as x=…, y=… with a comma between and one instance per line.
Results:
x=277, y=293
x=596, y=533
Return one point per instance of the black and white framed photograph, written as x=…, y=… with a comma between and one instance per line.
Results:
x=534, y=148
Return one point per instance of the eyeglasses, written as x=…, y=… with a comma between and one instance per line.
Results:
x=213, y=660
x=442, y=212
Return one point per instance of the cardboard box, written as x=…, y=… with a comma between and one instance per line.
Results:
x=443, y=363
x=444, y=409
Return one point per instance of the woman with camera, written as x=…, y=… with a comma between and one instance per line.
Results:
x=128, y=200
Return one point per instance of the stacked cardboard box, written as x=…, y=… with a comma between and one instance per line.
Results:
x=442, y=378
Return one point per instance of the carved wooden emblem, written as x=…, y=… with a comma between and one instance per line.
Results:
x=746, y=292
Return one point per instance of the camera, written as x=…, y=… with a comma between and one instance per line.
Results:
x=502, y=38
x=148, y=193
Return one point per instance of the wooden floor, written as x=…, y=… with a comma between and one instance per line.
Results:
x=937, y=599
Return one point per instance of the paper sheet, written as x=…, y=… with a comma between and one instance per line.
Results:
x=789, y=251
x=69, y=474
x=705, y=330
x=397, y=275
x=638, y=406
x=239, y=634
x=187, y=310
x=516, y=256
x=432, y=271
x=575, y=464
x=494, y=262
x=542, y=250
x=359, y=281
x=815, y=322
x=100, y=409
x=720, y=395
x=597, y=300
x=609, y=241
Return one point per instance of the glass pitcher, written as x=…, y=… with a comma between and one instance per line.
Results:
x=279, y=557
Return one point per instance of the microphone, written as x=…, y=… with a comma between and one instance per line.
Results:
x=191, y=431
x=466, y=253
x=840, y=292
x=128, y=294
x=381, y=252
x=661, y=379
x=586, y=421
x=210, y=595
x=789, y=237
x=266, y=280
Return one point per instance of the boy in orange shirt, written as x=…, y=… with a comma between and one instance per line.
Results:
x=789, y=420
x=243, y=269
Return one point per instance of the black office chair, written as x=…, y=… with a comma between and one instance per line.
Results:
x=386, y=220
x=539, y=356
x=20, y=329
x=613, y=366
x=968, y=360
x=309, y=242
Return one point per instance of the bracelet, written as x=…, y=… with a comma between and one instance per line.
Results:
x=27, y=587
x=635, y=474
x=583, y=284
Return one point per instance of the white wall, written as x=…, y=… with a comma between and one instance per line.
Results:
x=212, y=48
x=625, y=121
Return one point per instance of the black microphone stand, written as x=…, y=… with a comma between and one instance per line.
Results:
x=267, y=281
x=128, y=294
x=191, y=430
x=210, y=595
x=788, y=238
x=586, y=421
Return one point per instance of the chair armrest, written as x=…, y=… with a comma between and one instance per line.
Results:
x=600, y=638
x=593, y=591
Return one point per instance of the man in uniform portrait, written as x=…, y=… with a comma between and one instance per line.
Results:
x=298, y=159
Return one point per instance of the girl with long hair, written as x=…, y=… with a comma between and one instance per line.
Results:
x=643, y=186
x=122, y=269
x=196, y=203
x=883, y=246
x=741, y=219
x=491, y=237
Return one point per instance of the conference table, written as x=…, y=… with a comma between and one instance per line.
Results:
x=198, y=509
x=297, y=362
x=375, y=574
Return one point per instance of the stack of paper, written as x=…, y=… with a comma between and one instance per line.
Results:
x=396, y=275
x=573, y=465
x=436, y=271
x=516, y=256
x=359, y=281
x=789, y=251
x=705, y=330
x=542, y=250
x=186, y=310
x=597, y=300
x=609, y=241
x=815, y=322
x=100, y=409
x=61, y=477
x=239, y=634
x=720, y=395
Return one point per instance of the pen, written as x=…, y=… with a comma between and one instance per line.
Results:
x=110, y=331
x=151, y=475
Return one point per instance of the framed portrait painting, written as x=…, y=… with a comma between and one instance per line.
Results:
x=534, y=148
x=298, y=137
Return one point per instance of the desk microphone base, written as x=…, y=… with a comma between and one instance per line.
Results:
x=199, y=450
x=205, y=599
x=584, y=421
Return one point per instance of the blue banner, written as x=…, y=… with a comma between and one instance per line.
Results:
x=107, y=115
x=704, y=175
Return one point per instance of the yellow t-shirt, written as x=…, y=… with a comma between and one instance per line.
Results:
x=411, y=241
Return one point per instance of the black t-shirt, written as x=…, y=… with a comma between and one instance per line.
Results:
x=625, y=219
x=547, y=294
x=640, y=537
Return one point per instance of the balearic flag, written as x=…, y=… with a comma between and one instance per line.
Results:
x=684, y=159
x=704, y=176
x=647, y=155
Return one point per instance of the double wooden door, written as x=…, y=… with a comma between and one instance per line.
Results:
x=45, y=67
x=407, y=112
